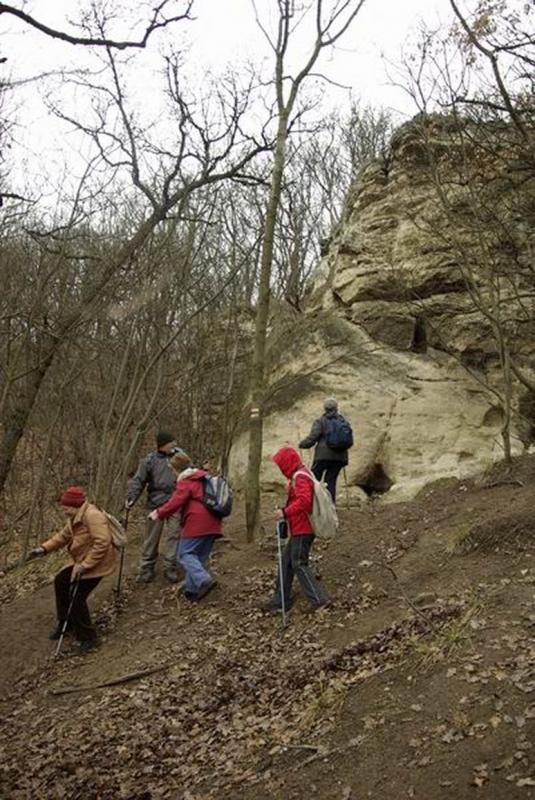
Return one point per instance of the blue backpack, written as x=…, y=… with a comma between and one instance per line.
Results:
x=217, y=495
x=338, y=433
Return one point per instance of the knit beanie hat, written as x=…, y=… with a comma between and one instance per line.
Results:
x=180, y=460
x=330, y=404
x=163, y=438
x=74, y=497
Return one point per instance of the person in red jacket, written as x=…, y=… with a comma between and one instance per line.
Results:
x=200, y=529
x=301, y=534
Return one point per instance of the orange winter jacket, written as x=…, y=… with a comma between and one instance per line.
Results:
x=88, y=539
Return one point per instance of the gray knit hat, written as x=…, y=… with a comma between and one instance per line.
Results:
x=330, y=404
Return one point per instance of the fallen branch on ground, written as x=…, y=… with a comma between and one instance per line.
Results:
x=510, y=482
x=130, y=676
x=385, y=565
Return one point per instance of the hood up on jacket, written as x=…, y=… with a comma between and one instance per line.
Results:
x=288, y=460
x=192, y=472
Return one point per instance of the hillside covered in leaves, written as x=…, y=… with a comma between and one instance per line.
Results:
x=418, y=682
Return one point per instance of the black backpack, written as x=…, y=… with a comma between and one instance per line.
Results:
x=338, y=433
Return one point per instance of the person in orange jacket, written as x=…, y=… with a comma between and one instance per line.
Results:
x=88, y=539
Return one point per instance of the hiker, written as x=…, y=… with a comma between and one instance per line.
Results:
x=332, y=435
x=89, y=542
x=301, y=534
x=200, y=529
x=155, y=473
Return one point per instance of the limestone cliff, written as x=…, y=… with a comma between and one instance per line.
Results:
x=424, y=287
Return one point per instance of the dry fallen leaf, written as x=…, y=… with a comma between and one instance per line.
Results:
x=526, y=782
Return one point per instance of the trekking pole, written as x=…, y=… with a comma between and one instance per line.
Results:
x=347, y=489
x=73, y=589
x=117, y=588
x=279, y=529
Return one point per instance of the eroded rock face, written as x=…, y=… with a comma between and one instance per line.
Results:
x=392, y=330
x=416, y=417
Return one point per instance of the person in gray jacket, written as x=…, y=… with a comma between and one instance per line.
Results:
x=158, y=477
x=327, y=462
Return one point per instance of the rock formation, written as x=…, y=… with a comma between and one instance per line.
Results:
x=428, y=272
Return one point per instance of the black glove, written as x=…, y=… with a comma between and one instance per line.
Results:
x=37, y=552
x=282, y=529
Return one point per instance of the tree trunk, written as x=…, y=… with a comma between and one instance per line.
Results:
x=252, y=487
x=16, y=418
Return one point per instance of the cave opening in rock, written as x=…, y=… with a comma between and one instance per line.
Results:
x=377, y=481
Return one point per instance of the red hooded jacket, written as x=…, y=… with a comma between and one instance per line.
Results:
x=197, y=520
x=300, y=491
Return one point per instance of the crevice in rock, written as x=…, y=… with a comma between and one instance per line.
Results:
x=339, y=301
x=476, y=359
x=419, y=336
x=394, y=291
x=377, y=481
x=526, y=408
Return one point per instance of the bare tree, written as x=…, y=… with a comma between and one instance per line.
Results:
x=331, y=21
x=207, y=150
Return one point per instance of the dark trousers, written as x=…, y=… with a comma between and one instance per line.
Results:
x=329, y=469
x=295, y=563
x=79, y=618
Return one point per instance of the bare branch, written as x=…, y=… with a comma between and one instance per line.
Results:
x=157, y=22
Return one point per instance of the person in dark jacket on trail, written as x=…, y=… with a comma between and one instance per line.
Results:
x=327, y=462
x=301, y=534
x=200, y=529
x=157, y=476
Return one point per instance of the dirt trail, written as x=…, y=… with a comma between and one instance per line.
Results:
x=420, y=708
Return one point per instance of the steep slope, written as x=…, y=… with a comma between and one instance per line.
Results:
x=418, y=682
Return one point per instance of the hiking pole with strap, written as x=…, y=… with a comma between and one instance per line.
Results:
x=117, y=588
x=73, y=589
x=281, y=527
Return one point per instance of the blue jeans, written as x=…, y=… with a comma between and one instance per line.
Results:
x=193, y=555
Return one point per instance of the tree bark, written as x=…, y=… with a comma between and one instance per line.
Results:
x=252, y=489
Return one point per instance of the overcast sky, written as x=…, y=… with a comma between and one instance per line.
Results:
x=227, y=31
x=223, y=33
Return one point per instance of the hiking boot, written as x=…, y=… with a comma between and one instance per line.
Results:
x=269, y=607
x=145, y=577
x=55, y=633
x=87, y=646
x=171, y=575
x=205, y=588
x=319, y=607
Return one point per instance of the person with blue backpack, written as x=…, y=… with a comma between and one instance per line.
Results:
x=332, y=436
x=202, y=500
